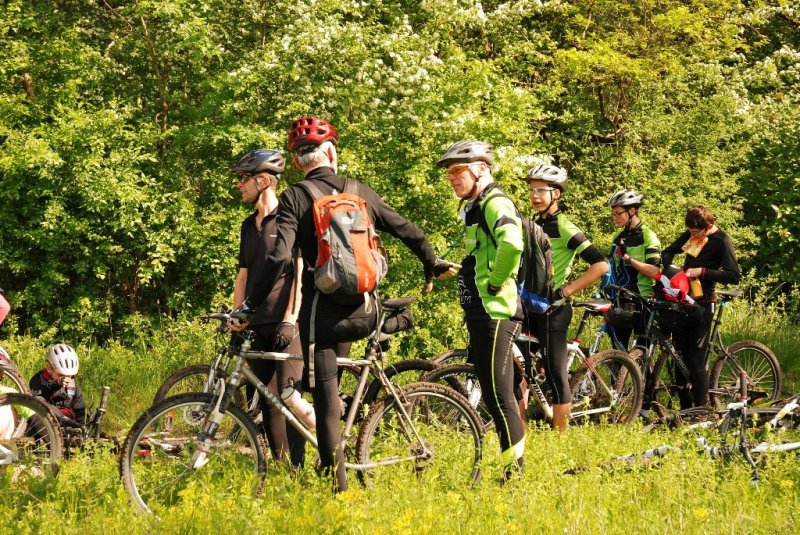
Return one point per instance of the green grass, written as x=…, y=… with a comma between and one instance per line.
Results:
x=683, y=492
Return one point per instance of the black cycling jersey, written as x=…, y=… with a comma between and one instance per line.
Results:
x=53, y=392
x=717, y=259
x=254, y=246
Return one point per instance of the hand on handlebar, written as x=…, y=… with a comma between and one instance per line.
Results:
x=240, y=317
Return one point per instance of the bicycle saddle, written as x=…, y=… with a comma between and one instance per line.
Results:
x=598, y=305
x=729, y=295
x=397, y=304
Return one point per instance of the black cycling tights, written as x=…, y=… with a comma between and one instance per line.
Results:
x=490, y=347
x=552, y=332
x=328, y=410
x=691, y=342
x=284, y=440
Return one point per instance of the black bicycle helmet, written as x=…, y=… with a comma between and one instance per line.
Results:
x=260, y=161
x=551, y=174
x=625, y=198
x=467, y=152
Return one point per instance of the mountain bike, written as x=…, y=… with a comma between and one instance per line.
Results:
x=763, y=372
x=203, y=377
x=607, y=386
x=30, y=438
x=193, y=442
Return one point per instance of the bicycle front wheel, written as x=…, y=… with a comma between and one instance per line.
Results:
x=606, y=388
x=30, y=438
x=432, y=431
x=764, y=375
x=193, y=379
x=158, y=463
x=11, y=378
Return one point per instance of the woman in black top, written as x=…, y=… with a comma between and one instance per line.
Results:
x=709, y=259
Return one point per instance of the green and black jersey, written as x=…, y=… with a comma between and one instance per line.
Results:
x=642, y=245
x=486, y=262
x=566, y=241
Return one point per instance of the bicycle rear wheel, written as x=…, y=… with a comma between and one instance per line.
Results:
x=155, y=462
x=757, y=360
x=606, y=388
x=441, y=439
x=451, y=356
x=462, y=378
x=30, y=438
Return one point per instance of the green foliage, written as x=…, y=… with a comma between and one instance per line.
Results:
x=120, y=122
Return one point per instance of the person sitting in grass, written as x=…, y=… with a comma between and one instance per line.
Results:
x=56, y=384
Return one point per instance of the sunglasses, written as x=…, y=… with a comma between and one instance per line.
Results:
x=540, y=191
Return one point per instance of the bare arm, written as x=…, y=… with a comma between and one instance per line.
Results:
x=648, y=270
x=293, y=308
x=595, y=271
x=239, y=287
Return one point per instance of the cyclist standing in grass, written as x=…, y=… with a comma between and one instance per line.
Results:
x=710, y=259
x=336, y=319
x=488, y=292
x=546, y=184
x=635, y=256
x=274, y=321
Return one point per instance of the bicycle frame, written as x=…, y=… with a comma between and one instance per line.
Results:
x=573, y=351
x=372, y=362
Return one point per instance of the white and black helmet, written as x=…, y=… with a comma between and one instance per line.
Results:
x=626, y=197
x=552, y=174
x=467, y=152
x=63, y=359
x=260, y=161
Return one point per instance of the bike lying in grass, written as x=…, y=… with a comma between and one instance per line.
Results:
x=193, y=442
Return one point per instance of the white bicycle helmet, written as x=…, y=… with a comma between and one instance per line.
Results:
x=467, y=152
x=626, y=197
x=552, y=174
x=63, y=359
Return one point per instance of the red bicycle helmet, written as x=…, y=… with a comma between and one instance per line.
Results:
x=311, y=131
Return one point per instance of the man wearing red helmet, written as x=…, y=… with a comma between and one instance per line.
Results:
x=337, y=321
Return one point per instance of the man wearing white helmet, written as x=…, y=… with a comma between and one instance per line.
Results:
x=56, y=383
x=546, y=184
x=488, y=291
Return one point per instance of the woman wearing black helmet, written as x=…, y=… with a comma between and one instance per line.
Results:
x=635, y=257
x=546, y=183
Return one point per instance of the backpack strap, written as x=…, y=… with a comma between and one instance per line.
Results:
x=350, y=186
x=483, y=223
x=311, y=188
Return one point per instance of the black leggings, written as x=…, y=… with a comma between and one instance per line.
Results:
x=335, y=329
x=552, y=332
x=284, y=440
x=490, y=348
x=691, y=342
